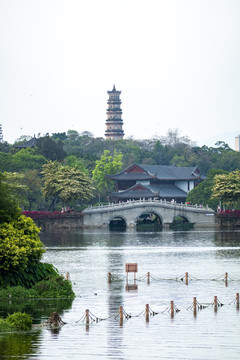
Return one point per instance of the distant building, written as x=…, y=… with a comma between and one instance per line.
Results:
x=237, y=143
x=28, y=144
x=155, y=181
x=114, y=121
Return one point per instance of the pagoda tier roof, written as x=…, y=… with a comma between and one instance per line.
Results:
x=158, y=172
x=160, y=190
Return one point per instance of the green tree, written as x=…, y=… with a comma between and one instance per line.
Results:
x=5, y=161
x=27, y=159
x=107, y=165
x=25, y=187
x=50, y=148
x=61, y=136
x=4, y=147
x=73, y=161
x=33, y=183
x=19, y=245
x=65, y=183
x=226, y=187
x=202, y=194
x=9, y=208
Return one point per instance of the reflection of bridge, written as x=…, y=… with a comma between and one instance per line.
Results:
x=130, y=212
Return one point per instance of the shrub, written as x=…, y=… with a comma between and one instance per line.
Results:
x=54, y=287
x=15, y=292
x=21, y=321
x=34, y=273
x=19, y=245
x=5, y=326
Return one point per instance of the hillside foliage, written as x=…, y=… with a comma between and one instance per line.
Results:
x=74, y=151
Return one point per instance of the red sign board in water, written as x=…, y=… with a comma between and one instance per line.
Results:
x=131, y=267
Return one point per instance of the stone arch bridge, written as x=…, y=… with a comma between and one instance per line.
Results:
x=130, y=212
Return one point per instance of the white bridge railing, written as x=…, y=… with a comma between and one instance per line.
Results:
x=155, y=202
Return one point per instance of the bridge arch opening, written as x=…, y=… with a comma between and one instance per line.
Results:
x=181, y=223
x=149, y=221
x=180, y=220
x=117, y=223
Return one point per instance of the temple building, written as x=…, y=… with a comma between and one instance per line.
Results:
x=114, y=121
x=155, y=181
x=28, y=144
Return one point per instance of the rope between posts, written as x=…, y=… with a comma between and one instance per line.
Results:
x=178, y=278
x=151, y=312
x=219, y=304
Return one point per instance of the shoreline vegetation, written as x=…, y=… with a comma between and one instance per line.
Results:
x=53, y=287
x=23, y=276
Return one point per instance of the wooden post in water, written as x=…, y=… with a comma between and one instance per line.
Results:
x=121, y=314
x=215, y=302
x=226, y=279
x=237, y=300
x=148, y=278
x=172, y=309
x=109, y=278
x=87, y=317
x=67, y=276
x=186, y=278
x=147, y=312
x=194, y=306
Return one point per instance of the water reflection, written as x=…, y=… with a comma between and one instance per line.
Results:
x=227, y=238
x=40, y=310
x=115, y=260
x=19, y=345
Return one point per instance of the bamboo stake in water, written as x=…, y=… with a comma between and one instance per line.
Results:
x=226, y=279
x=215, y=303
x=172, y=309
x=237, y=300
x=147, y=312
x=148, y=278
x=121, y=314
x=194, y=306
x=87, y=316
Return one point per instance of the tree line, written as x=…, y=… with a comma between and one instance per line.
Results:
x=48, y=175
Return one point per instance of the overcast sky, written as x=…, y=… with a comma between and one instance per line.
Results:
x=177, y=63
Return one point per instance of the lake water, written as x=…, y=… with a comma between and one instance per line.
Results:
x=89, y=256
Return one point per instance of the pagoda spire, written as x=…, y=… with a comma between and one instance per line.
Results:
x=1, y=133
x=114, y=116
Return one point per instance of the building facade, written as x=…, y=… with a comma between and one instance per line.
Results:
x=155, y=181
x=114, y=121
